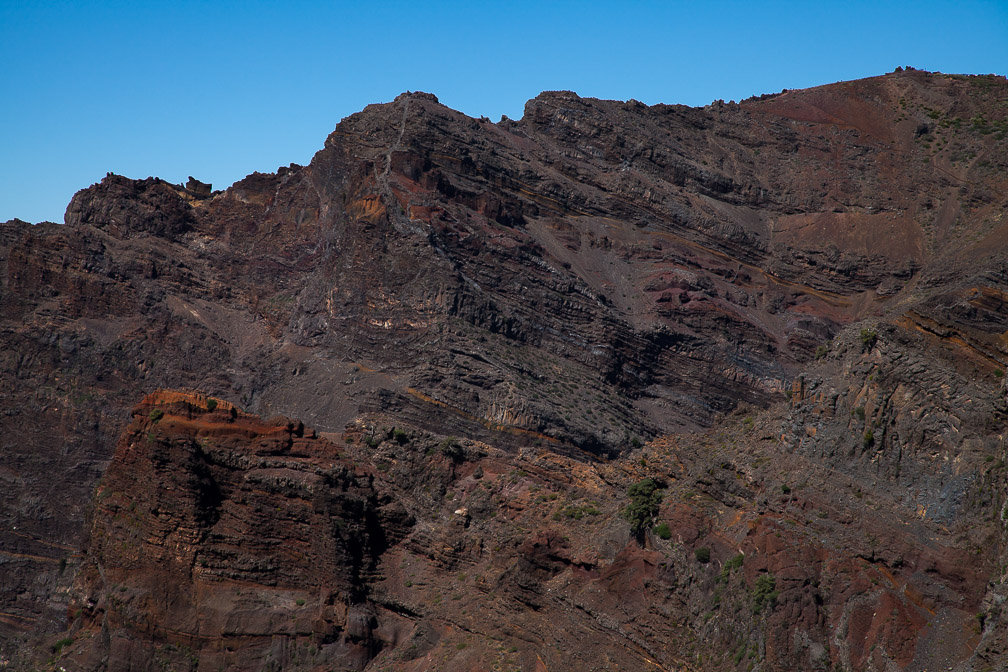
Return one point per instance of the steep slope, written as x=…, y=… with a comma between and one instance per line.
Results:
x=211, y=531
x=222, y=541
x=594, y=275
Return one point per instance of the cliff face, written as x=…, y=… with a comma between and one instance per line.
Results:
x=219, y=540
x=230, y=541
x=828, y=263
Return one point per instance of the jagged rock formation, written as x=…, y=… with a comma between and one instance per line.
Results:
x=596, y=275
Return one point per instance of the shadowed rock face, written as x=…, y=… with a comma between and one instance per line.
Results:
x=828, y=262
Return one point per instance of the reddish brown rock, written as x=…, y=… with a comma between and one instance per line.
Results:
x=554, y=291
x=230, y=541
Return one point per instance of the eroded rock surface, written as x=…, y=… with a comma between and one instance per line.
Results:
x=221, y=540
x=593, y=277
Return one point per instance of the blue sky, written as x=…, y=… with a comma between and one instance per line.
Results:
x=218, y=90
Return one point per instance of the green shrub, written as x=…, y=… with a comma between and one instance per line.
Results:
x=400, y=437
x=737, y=658
x=211, y=404
x=860, y=413
x=868, y=339
x=869, y=439
x=821, y=352
x=785, y=489
x=577, y=512
x=156, y=415
x=450, y=448
x=60, y=643
x=702, y=554
x=645, y=500
x=764, y=593
x=732, y=563
x=299, y=601
x=663, y=531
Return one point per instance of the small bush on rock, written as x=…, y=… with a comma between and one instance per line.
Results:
x=645, y=500
x=868, y=339
x=764, y=593
x=451, y=449
x=733, y=563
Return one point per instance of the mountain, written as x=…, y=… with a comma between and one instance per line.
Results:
x=612, y=385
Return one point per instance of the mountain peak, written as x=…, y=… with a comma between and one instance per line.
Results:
x=709, y=377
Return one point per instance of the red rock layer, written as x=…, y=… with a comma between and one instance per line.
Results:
x=231, y=541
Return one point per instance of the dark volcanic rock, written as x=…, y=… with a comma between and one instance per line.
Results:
x=128, y=208
x=572, y=284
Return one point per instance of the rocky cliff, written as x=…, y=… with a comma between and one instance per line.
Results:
x=221, y=539
x=789, y=311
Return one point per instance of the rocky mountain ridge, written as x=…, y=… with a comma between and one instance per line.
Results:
x=790, y=311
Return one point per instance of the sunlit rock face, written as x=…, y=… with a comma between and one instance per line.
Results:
x=790, y=311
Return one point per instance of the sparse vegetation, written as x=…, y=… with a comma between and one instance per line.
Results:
x=576, y=511
x=645, y=500
x=739, y=653
x=450, y=448
x=732, y=564
x=764, y=593
x=868, y=339
x=535, y=362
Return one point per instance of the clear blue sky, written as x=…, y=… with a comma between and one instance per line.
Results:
x=219, y=89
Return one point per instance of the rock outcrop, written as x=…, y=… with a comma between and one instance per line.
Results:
x=220, y=540
x=790, y=308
